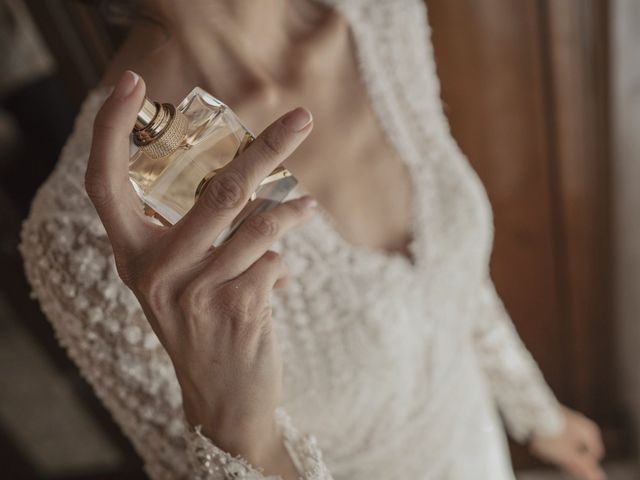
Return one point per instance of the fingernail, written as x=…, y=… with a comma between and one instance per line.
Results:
x=126, y=84
x=297, y=119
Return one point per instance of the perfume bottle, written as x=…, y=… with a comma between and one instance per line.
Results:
x=179, y=151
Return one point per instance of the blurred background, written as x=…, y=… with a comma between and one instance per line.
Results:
x=544, y=98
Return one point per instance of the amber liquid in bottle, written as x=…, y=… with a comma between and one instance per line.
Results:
x=179, y=152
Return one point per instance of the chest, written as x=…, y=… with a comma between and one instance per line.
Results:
x=348, y=162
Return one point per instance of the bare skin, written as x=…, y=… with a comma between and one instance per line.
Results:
x=263, y=59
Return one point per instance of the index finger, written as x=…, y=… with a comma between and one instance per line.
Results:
x=106, y=179
x=231, y=188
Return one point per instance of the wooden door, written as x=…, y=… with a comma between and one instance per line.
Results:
x=525, y=88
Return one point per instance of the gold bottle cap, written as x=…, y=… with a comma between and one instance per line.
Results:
x=146, y=114
x=160, y=129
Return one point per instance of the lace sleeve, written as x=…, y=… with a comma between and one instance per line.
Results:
x=217, y=464
x=69, y=263
x=526, y=402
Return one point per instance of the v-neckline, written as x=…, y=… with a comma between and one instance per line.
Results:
x=410, y=261
x=380, y=256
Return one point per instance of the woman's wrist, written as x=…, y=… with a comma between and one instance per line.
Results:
x=259, y=443
x=264, y=449
x=279, y=462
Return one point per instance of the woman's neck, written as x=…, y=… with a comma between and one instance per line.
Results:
x=216, y=13
x=265, y=27
x=225, y=46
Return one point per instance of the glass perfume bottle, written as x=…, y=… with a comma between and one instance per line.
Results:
x=181, y=149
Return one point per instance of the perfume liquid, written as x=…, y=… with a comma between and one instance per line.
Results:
x=179, y=151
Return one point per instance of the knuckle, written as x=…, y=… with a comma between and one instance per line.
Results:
x=226, y=190
x=274, y=267
x=273, y=258
x=234, y=303
x=263, y=225
x=96, y=190
x=153, y=286
x=125, y=272
x=101, y=122
x=274, y=142
x=104, y=125
x=192, y=299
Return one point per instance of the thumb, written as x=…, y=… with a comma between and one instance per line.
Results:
x=107, y=180
x=116, y=118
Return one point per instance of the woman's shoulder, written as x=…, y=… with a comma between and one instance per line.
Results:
x=63, y=191
x=78, y=144
x=61, y=210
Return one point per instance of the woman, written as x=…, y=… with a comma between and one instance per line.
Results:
x=388, y=346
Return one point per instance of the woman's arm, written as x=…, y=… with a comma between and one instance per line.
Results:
x=229, y=380
x=526, y=402
x=530, y=409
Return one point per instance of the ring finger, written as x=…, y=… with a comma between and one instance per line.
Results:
x=256, y=235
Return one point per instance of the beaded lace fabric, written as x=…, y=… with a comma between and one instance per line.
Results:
x=392, y=368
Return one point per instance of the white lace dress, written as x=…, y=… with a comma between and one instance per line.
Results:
x=392, y=368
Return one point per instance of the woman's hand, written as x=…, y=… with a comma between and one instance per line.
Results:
x=578, y=449
x=209, y=307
